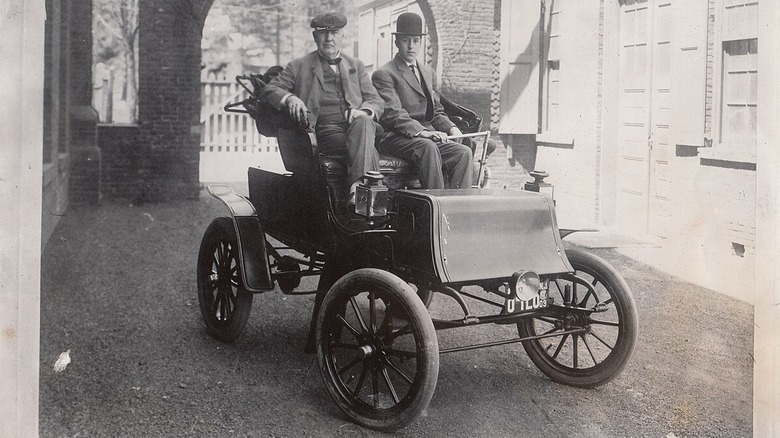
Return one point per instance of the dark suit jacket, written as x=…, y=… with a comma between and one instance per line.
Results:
x=303, y=77
x=405, y=101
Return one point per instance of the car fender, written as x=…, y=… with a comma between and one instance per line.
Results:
x=253, y=255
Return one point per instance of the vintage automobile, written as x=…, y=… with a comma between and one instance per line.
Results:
x=381, y=264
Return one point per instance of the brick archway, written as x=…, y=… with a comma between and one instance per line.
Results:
x=158, y=160
x=464, y=48
x=433, y=34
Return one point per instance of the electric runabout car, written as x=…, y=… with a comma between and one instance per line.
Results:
x=381, y=264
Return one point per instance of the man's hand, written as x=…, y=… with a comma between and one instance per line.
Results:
x=354, y=114
x=436, y=136
x=297, y=110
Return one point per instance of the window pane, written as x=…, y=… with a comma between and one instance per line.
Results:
x=734, y=88
x=739, y=92
x=752, y=113
x=736, y=120
x=752, y=86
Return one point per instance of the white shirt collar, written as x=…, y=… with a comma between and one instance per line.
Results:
x=338, y=54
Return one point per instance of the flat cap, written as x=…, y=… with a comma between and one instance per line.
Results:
x=329, y=21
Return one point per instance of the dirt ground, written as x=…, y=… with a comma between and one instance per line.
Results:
x=118, y=291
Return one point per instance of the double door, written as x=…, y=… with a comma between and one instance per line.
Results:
x=645, y=153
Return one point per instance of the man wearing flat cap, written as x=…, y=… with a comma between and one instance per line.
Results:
x=414, y=118
x=331, y=94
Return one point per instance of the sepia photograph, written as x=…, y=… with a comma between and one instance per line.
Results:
x=438, y=218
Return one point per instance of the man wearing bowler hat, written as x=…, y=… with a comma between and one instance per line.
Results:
x=414, y=118
x=331, y=94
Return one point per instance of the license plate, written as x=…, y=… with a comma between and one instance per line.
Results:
x=514, y=305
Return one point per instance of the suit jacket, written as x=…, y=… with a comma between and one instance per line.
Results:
x=405, y=100
x=304, y=78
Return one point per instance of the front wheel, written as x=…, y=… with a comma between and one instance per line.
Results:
x=377, y=349
x=592, y=337
x=224, y=303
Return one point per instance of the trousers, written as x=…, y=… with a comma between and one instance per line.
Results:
x=356, y=140
x=441, y=165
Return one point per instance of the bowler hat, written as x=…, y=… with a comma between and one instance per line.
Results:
x=408, y=23
x=329, y=21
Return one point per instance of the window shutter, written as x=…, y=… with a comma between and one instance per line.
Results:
x=689, y=64
x=519, y=98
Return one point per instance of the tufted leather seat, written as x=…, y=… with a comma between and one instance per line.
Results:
x=397, y=172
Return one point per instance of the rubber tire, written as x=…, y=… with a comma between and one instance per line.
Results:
x=425, y=294
x=627, y=333
x=427, y=348
x=221, y=234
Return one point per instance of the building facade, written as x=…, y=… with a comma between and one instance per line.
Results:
x=70, y=155
x=643, y=112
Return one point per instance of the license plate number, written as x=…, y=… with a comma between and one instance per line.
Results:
x=514, y=305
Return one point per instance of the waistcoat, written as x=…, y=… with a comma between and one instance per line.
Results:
x=332, y=103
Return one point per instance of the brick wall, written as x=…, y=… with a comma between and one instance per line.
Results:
x=82, y=119
x=169, y=98
x=81, y=52
x=467, y=44
x=124, y=165
x=55, y=171
x=85, y=156
x=464, y=31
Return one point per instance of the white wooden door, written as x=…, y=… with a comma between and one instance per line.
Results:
x=635, y=98
x=662, y=149
x=661, y=101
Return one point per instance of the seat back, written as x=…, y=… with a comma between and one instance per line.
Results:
x=293, y=207
x=466, y=120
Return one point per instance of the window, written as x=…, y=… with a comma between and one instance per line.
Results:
x=739, y=92
x=737, y=77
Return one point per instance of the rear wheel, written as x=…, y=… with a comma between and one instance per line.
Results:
x=224, y=303
x=592, y=340
x=377, y=349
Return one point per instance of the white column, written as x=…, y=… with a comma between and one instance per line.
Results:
x=21, y=146
x=766, y=374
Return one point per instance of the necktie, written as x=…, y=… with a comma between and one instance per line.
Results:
x=429, y=101
x=334, y=61
x=414, y=72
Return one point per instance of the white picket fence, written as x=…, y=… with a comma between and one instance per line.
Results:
x=229, y=142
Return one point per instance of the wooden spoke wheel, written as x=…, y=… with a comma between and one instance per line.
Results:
x=595, y=320
x=377, y=349
x=224, y=303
